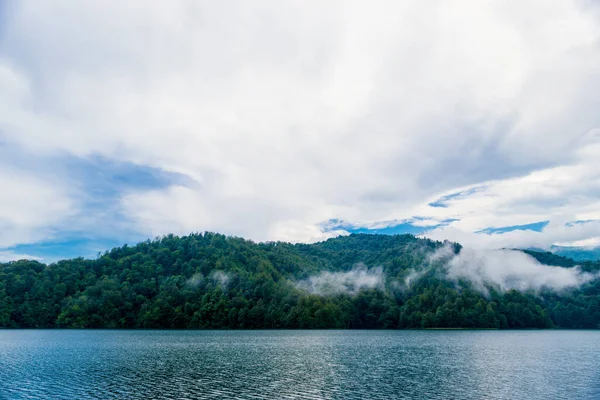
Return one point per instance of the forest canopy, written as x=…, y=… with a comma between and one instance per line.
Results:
x=210, y=281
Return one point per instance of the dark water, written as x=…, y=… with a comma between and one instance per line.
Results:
x=300, y=364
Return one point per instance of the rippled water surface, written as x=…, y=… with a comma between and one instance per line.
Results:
x=47, y=364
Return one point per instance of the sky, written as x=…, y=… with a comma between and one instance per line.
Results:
x=469, y=121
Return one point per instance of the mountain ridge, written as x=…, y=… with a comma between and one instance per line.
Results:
x=209, y=280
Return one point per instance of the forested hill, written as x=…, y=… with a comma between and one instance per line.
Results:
x=212, y=281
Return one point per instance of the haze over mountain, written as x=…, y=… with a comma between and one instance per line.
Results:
x=278, y=121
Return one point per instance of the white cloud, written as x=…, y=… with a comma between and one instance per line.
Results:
x=287, y=115
x=553, y=234
x=560, y=194
x=349, y=282
x=512, y=270
x=588, y=243
x=29, y=207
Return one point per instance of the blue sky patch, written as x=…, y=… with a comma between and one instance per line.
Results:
x=54, y=250
x=386, y=228
x=534, y=226
x=579, y=222
x=95, y=184
x=443, y=201
x=107, y=178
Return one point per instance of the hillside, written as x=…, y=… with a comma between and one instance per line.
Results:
x=212, y=281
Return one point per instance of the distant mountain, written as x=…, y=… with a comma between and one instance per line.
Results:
x=357, y=281
x=577, y=253
x=572, y=252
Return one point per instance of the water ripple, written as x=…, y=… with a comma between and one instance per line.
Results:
x=299, y=364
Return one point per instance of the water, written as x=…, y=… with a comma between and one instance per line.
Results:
x=77, y=364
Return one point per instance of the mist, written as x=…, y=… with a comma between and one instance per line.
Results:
x=217, y=277
x=508, y=269
x=349, y=282
x=195, y=281
x=220, y=278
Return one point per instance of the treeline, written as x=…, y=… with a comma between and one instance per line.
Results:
x=217, y=282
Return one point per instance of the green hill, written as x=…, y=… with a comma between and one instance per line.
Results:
x=213, y=281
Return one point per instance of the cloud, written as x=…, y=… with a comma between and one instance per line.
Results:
x=560, y=195
x=29, y=207
x=349, y=282
x=59, y=206
x=221, y=278
x=557, y=232
x=218, y=278
x=195, y=281
x=510, y=269
x=282, y=116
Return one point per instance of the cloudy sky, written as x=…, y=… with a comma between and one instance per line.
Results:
x=471, y=121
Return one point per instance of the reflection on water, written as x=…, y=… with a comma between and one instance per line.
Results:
x=299, y=364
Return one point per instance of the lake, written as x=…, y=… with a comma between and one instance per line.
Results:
x=89, y=364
